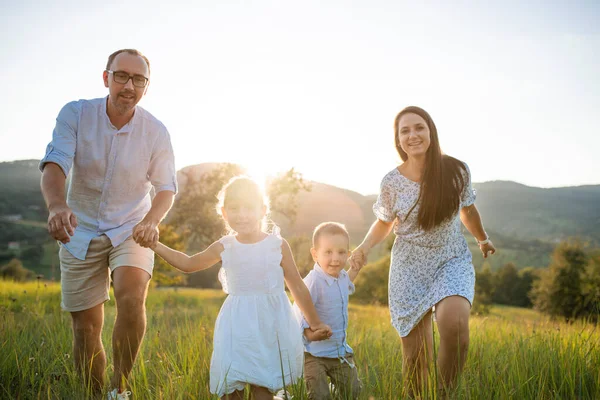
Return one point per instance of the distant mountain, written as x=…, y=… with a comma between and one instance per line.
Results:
x=20, y=194
x=534, y=213
x=524, y=222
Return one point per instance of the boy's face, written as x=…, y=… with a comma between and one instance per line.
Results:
x=331, y=253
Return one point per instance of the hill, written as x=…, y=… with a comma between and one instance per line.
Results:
x=524, y=222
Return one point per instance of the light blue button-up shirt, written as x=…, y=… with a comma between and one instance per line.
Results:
x=112, y=170
x=330, y=297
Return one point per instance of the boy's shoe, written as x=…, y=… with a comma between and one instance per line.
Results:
x=283, y=395
x=115, y=395
x=331, y=388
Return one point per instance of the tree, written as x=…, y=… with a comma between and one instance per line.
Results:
x=506, y=281
x=14, y=270
x=300, y=246
x=372, y=282
x=559, y=290
x=591, y=288
x=527, y=277
x=283, y=191
x=484, y=289
x=164, y=274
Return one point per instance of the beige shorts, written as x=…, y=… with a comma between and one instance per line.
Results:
x=85, y=283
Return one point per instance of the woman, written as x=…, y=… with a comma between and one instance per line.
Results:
x=425, y=198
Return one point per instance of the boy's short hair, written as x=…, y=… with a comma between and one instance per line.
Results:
x=329, y=228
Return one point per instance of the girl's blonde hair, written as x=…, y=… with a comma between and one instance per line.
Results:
x=245, y=190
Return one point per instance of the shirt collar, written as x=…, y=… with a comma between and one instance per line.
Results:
x=328, y=278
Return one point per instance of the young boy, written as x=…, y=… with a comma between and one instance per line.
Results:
x=329, y=285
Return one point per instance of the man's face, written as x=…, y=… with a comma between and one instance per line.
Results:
x=125, y=96
x=331, y=253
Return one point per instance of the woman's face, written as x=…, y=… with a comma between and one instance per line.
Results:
x=413, y=135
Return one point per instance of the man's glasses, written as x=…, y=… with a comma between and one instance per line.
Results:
x=123, y=77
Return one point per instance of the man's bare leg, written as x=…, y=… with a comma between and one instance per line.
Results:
x=130, y=288
x=88, y=352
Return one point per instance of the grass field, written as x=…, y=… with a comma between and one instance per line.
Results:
x=514, y=353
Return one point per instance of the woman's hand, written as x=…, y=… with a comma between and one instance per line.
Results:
x=487, y=248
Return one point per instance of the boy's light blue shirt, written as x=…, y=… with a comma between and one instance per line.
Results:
x=112, y=170
x=330, y=297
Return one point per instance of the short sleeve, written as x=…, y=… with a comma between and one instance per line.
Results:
x=162, y=172
x=386, y=201
x=61, y=150
x=351, y=287
x=468, y=194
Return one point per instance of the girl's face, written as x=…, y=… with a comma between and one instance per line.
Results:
x=244, y=217
x=413, y=135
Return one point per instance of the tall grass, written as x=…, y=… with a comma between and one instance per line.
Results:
x=514, y=353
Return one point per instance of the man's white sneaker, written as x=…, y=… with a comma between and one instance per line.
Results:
x=115, y=395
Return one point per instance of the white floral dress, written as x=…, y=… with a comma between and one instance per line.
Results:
x=257, y=340
x=426, y=266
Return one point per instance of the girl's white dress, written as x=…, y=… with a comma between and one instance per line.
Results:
x=257, y=340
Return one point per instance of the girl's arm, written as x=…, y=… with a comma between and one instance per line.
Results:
x=378, y=231
x=471, y=219
x=299, y=290
x=203, y=260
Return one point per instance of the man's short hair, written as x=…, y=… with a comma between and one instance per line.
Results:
x=133, y=52
x=329, y=228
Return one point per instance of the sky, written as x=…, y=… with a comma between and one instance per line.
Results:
x=513, y=87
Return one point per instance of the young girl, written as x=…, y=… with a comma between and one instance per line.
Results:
x=257, y=340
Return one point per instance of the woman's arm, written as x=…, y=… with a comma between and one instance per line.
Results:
x=185, y=263
x=299, y=290
x=378, y=231
x=471, y=219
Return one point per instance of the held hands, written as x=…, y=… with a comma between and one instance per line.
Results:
x=320, y=332
x=315, y=336
x=146, y=233
x=487, y=248
x=358, y=258
x=61, y=223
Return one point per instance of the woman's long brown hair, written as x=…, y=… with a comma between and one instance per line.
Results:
x=442, y=182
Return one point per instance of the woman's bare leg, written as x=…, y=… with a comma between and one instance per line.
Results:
x=417, y=354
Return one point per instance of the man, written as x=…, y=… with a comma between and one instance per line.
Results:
x=116, y=152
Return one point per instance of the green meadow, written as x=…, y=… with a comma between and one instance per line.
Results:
x=514, y=353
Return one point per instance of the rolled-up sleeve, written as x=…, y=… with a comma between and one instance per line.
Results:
x=61, y=150
x=386, y=201
x=162, y=172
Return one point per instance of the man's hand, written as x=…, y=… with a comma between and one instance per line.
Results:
x=146, y=233
x=61, y=223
